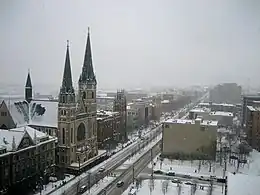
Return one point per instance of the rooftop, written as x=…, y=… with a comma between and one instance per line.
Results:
x=252, y=108
x=221, y=113
x=216, y=104
x=200, y=110
x=40, y=113
x=104, y=113
x=7, y=136
x=187, y=121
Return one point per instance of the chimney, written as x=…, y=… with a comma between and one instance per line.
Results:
x=13, y=144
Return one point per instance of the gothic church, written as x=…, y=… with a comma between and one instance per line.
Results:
x=77, y=119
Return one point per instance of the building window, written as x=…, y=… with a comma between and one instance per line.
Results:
x=71, y=135
x=63, y=136
x=92, y=94
x=84, y=95
x=3, y=113
x=81, y=132
x=202, y=128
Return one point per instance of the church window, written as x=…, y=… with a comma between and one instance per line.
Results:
x=63, y=99
x=84, y=95
x=81, y=132
x=63, y=136
x=92, y=95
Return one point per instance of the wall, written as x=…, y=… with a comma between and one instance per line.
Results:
x=189, y=138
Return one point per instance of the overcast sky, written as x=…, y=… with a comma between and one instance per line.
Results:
x=135, y=43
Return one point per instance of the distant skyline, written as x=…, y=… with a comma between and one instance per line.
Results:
x=134, y=43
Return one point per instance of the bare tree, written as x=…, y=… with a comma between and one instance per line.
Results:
x=165, y=185
x=193, y=189
x=151, y=184
x=78, y=185
x=179, y=188
x=210, y=189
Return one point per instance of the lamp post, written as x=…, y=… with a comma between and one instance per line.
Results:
x=79, y=165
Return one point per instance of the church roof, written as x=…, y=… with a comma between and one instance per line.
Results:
x=40, y=113
x=87, y=74
x=17, y=134
x=28, y=81
x=67, y=86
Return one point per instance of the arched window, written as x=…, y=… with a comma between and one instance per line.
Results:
x=81, y=132
x=63, y=136
x=92, y=94
x=84, y=95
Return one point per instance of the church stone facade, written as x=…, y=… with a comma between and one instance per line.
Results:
x=77, y=115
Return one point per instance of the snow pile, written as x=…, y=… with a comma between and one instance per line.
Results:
x=241, y=184
x=254, y=160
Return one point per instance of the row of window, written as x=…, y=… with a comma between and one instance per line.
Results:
x=3, y=113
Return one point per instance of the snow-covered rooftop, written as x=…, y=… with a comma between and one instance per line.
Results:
x=221, y=113
x=200, y=110
x=188, y=121
x=38, y=113
x=16, y=135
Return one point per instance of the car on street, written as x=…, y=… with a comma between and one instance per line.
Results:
x=83, y=189
x=119, y=184
x=159, y=172
x=170, y=173
x=101, y=170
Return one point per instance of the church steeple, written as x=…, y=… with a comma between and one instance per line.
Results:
x=28, y=88
x=67, y=78
x=87, y=74
x=67, y=86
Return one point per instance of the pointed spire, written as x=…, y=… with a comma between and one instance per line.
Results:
x=87, y=74
x=67, y=78
x=28, y=80
x=13, y=144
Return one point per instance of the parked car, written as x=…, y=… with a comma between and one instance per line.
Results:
x=170, y=173
x=187, y=176
x=176, y=181
x=160, y=172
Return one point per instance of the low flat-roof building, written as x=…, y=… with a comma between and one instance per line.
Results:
x=223, y=118
x=194, y=139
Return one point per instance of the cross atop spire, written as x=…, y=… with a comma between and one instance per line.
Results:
x=87, y=74
x=67, y=78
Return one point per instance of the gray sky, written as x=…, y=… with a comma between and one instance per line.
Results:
x=134, y=42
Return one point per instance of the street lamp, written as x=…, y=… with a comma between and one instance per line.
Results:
x=79, y=164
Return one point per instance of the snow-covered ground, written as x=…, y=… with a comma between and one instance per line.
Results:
x=241, y=184
x=99, y=186
x=132, y=159
x=156, y=187
x=192, y=167
x=52, y=185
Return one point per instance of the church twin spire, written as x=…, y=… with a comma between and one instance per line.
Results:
x=67, y=86
x=87, y=75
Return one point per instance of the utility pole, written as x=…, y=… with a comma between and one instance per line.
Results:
x=89, y=183
x=152, y=161
x=133, y=174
